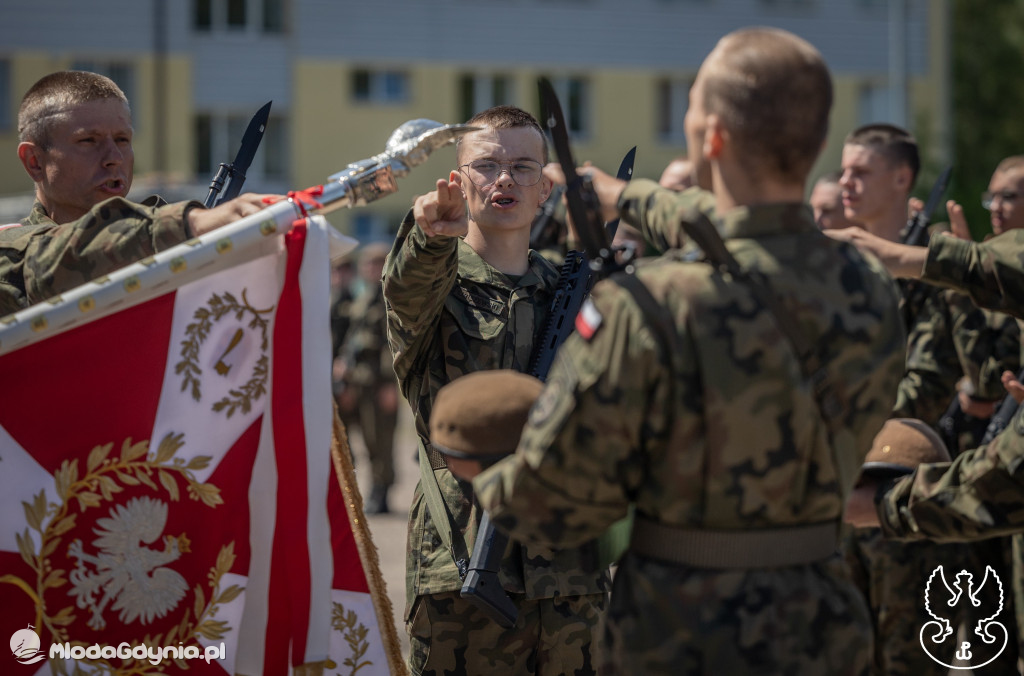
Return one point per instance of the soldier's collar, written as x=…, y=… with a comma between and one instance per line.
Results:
x=765, y=219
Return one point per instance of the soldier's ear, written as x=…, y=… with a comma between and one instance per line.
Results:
x=714, y=137
x=31, y=158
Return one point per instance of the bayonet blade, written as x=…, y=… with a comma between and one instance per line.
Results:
x=624, y=173
x=585, y=217
x=250, y=144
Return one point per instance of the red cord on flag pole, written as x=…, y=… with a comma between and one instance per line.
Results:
x=302, y=198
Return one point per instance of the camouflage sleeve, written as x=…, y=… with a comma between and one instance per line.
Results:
x=577, y=459
x=418, y=274
x=976, y=496
x=656, y=211
x=992, y=272
x=46, y=260
x=988, y=343
x=932, y=364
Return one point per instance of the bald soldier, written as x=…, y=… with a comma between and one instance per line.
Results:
x=680, y=395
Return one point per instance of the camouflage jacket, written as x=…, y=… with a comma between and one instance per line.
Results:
x=450, y=313
x=980, y=494
x=365, y=348
x=949, y=337
x=716, y=431
x=39, y=259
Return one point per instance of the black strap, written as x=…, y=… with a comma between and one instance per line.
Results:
x=704, y=233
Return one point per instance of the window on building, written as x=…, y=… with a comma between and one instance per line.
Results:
x=372, y=226
x=123, y=74
x=268, y=16
x=6, y=100
x=873, y=103
x=574, y=96
x=673, y=98
x=480, y=92
x=273, y=16
x=380, y=86
x=236, y=14
x=202, y=14
x=219, y=135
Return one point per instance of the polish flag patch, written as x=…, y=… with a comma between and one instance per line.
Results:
x=588, y=321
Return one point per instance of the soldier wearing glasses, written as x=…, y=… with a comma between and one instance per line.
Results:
x=465, y=293
x=1002, y=199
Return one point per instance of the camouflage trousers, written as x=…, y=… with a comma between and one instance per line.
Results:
x=670, y=619
x=450, y=636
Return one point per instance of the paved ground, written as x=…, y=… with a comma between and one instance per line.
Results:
x=389, y=530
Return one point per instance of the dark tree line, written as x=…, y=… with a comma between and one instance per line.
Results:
x=988, y=97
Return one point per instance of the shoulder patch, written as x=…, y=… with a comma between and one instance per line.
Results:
x=588, y=320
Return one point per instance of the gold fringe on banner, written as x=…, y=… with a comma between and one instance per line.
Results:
x=342, y=457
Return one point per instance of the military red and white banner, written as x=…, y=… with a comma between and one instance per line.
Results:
x=168, y=495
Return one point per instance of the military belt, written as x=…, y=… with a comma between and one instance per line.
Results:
x=734, y=549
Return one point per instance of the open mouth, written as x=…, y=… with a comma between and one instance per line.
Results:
x=113, y=185
x=504, y=201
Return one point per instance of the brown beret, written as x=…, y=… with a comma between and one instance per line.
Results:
x=481, y=415
x=901, y=445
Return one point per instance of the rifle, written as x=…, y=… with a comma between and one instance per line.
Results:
x=579, y=271
x=916, y=232
x=1002, y=417
x=234, y=173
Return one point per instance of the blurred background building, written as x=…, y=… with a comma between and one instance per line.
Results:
x=343, y=75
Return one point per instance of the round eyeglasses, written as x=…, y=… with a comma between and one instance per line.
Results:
x=987, y=198
x=485, y=172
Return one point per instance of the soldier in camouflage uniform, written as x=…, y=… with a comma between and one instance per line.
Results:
x=692, y=405
x=458, y=305
x=370, y=390
x=76, y=144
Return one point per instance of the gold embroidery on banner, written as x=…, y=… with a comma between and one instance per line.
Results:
x=86, y=304
x=223, y=246
x=132, y=284
x=268, y=228
x=39, y=324
x=142, y=519
x=355, y=632
x=218, y=307
x=178, y=264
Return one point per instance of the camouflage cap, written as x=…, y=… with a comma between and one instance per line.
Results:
x=481, y=415
x=901, y=445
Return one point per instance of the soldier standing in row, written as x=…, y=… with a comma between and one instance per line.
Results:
x=686, y=399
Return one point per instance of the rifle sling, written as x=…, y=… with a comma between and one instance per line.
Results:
x=706, y=236
x=439, y=513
